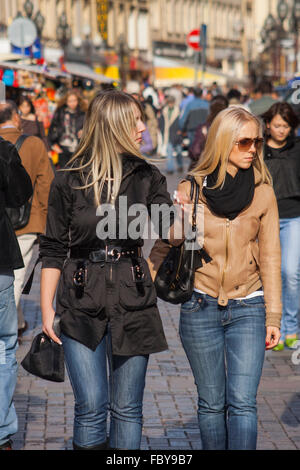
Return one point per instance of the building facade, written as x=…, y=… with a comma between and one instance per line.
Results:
x=128, y=37
x=230, y=31
x=107, y=35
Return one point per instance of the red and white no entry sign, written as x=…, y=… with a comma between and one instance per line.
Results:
x=193, y=39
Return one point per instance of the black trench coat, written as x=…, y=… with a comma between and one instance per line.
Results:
x=110, y=295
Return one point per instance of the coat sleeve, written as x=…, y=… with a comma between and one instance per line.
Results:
x=54, y=245
x=270, y=259
x=160, y=206
x=43, y=181
x=56, y=128
x=161, y=247
x=15, y=181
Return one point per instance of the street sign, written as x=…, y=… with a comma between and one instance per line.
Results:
x=34, y=51
x=193, y=39
x=22, y=33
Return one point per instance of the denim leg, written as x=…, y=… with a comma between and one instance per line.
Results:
x=127, y=382
x=170, y=158
x=8, y=362
x=202, y=335
x=88, y=377
x=245, y=348
x=290, y=272
x=179, y=159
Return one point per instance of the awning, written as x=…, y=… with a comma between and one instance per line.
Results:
x=50, y=72
x=168, y=72
x=84, y=71
x=72, y=69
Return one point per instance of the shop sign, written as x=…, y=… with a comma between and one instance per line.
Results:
x=102, y=14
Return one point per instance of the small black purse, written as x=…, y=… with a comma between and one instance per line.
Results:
x=45, y=359
x=174, y=281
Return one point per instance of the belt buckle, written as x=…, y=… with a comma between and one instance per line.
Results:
x=114, y=253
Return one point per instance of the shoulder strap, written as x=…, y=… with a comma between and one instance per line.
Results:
x=194, y=189
x=20, y=141
x=27, y=287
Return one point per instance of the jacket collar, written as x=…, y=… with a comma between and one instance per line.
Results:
x=289, y=144
x=131, y=163
x=9, y=132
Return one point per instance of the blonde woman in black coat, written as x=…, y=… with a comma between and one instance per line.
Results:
x=105, y=296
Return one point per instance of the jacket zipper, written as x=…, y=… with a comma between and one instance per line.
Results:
x=226, y=252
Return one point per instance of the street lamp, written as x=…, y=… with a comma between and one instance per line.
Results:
x=39, y=22
x=282, y=10
x=123, y=60
x=295, y=23
x=63, y=32
x=28, y=7
x=273, y=33
x=270, y=23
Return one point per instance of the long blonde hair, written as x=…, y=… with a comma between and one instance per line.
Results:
x=221, y=138
x=107, y=132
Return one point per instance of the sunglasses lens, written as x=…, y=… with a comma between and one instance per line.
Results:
x=245, y=144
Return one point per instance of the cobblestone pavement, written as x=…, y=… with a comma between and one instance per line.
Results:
x=45, y=409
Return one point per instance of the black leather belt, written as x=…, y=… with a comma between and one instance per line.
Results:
x=109, y=254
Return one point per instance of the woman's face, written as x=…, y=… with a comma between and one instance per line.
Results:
x=240, y=158
x=139, y=128
x=25, y=108
x=72, y=102
x=279, y=129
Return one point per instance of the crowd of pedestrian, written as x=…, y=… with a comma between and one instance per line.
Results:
x=243, y=152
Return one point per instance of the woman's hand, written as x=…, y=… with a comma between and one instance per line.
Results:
x=272, y=337
x=56, y=148
x=48, y=318
x=181, y=198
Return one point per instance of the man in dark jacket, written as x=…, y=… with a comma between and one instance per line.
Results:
x=15, y=190
x=34, y=157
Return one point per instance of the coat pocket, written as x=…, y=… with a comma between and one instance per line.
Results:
x=133, y=297
x=89, y=300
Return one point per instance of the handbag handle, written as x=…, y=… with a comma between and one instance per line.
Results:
x=194, y=185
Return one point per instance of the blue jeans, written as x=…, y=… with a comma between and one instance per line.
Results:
x=225, y=347
x=170, y=159
x=94, y=395
x=8, y=362
x=290, y=273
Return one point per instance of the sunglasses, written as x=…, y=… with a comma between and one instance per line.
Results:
x=246, y=144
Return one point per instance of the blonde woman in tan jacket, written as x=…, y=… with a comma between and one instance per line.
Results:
x=234, y=313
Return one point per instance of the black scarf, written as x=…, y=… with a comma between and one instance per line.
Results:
x=236, y=193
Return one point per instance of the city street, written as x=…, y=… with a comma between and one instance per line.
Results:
x=45, y=409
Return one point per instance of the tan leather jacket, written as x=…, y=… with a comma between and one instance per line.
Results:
x=245, y=252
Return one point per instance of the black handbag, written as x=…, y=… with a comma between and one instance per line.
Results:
x=45, y=359
x=174, y=280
